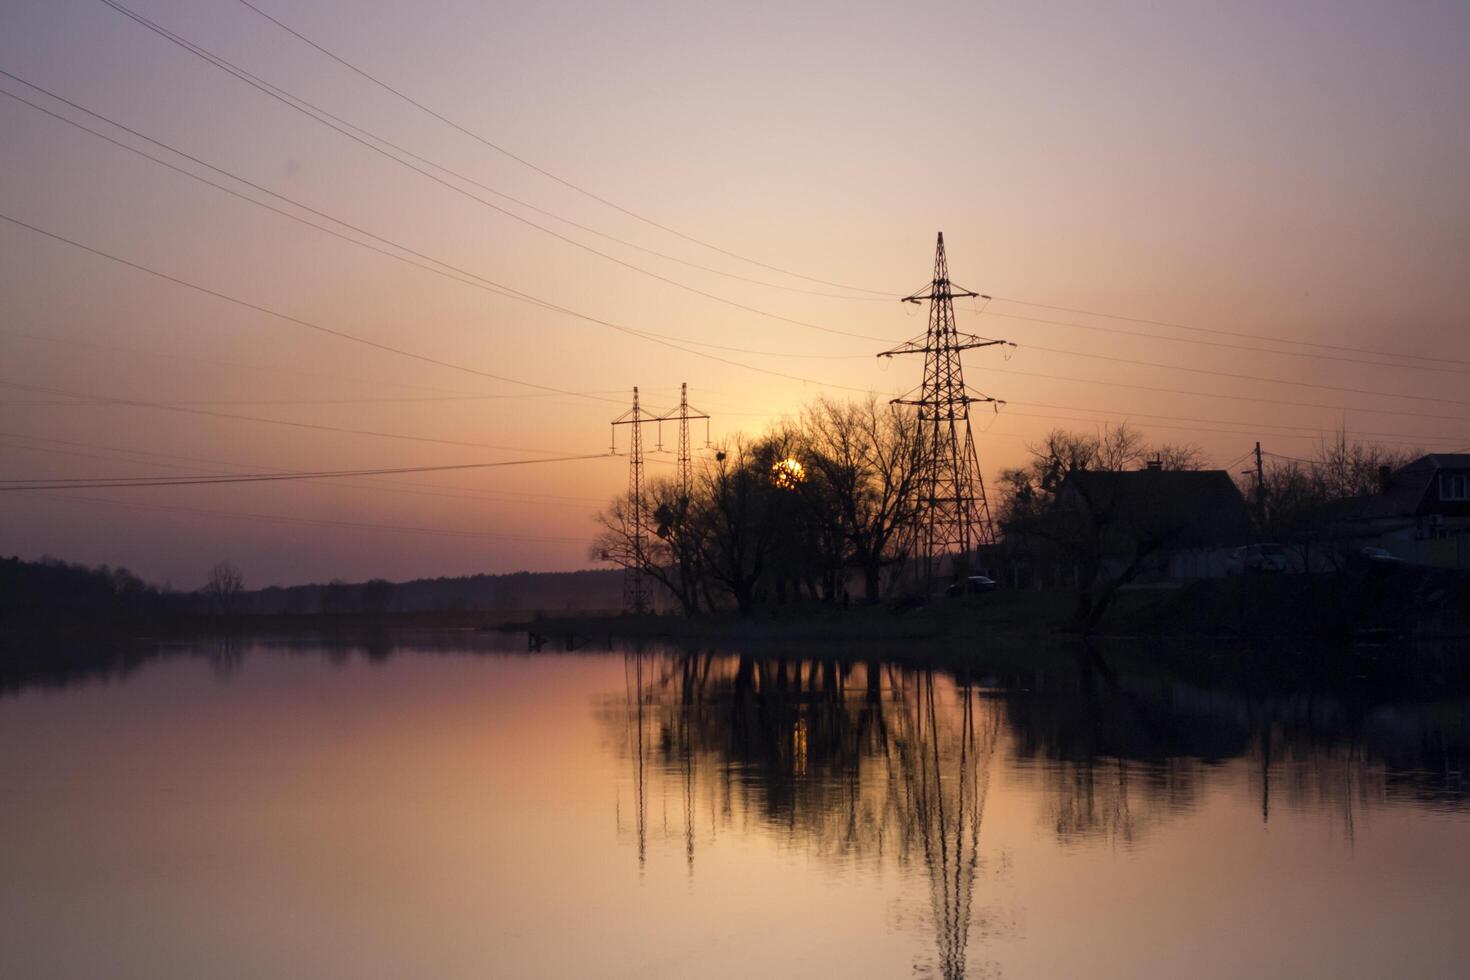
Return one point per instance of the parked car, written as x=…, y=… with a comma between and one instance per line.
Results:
x=1258, y=558
x=1380, y=557
x=972, y=585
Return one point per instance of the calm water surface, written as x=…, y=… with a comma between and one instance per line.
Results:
x=434, y=808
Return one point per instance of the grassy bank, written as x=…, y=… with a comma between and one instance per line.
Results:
x=1355, y=604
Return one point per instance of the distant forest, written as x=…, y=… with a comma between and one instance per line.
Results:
x=598, y=590
x=50, y=590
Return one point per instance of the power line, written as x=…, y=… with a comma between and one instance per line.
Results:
x=1236, y=461
x=652, y=338
x=1235, y=422
x=312, y=112
x=342, y=334
x=252, y=79
x=1231, y=333
x=378, y=485
x=648, y=335
x=1195, y=430
x=192, y=402
x=210, y=413
x=665, y=339
x=1247, y=377
x=488, y=494
x=451, y=394
x=546, y=173
x=454, y=273
x=95, y=483
x=1292, y=459
x=480, y=282
x=1220, y=344
x=1245, y=428
x=1231, y=397
x=304, y=521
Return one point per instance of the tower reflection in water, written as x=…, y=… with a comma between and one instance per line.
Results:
x=859, y=762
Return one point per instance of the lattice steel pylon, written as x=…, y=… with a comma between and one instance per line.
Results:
x=683, y=415
x=950, y=512
x=636, y=593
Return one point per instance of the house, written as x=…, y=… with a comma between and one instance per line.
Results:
x=1174, y=524
x=1149, y=524
x=1420, y=514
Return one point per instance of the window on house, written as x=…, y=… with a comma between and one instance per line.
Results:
x=1454, y=487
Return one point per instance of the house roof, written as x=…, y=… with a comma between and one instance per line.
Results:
x=1192, y=508
x=1406, y=490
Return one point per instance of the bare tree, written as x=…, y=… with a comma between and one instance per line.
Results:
x=1027, y=492
x=670, y=555
x=1300, y=494
x=1049, y=507
x=863, y=457
x=741, y=517
x=224, y=587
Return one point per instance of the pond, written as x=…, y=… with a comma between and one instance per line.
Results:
x=449, y=806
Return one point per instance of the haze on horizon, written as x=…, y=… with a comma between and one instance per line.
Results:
x=1287, y=171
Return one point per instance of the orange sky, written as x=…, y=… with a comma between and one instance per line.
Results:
x=1294, y=175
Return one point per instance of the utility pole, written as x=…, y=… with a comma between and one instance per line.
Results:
x=635, y=585
x=950, y=512
x=1260, y=488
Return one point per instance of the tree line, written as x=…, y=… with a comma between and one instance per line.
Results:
x=817, y=507
x=786, y=515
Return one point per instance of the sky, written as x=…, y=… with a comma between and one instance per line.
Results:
x=1215, y=222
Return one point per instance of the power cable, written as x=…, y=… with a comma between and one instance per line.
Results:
x=152, y=455
x=378, y=485
x=1235, y=422
x=341, y=334
x=1247, y=377
x=449, y=394
x=304, y=521
x=1210, y=394
x=319, y=115
x=546, y=173
x=1199, y=431
x=291, y=423
x=1228, y=346
x=652, y=338
x=97, y=483
x=454, y=273
x=1230, y=333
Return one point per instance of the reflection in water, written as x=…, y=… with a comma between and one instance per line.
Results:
x=872, y=762
x=860, y=762
x=438, y=802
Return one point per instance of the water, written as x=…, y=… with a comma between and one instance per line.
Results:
x=430, y=807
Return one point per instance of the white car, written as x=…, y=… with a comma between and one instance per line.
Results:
x=1259, y=558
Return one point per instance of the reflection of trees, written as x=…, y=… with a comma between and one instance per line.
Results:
x=867, y=762
x=1116, y=759
x=60, y=659
x=857, y=762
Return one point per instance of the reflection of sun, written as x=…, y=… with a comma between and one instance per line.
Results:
x=788, y=473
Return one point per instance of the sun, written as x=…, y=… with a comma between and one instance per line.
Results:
x=788, y=473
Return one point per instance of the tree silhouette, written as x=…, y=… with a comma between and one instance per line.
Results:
x=224, y=588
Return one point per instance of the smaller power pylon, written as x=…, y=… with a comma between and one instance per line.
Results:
x=636, y=598
x=683, y=414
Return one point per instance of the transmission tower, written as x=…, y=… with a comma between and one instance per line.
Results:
x=683, y=414
x=635, y=585
x=950, y=513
